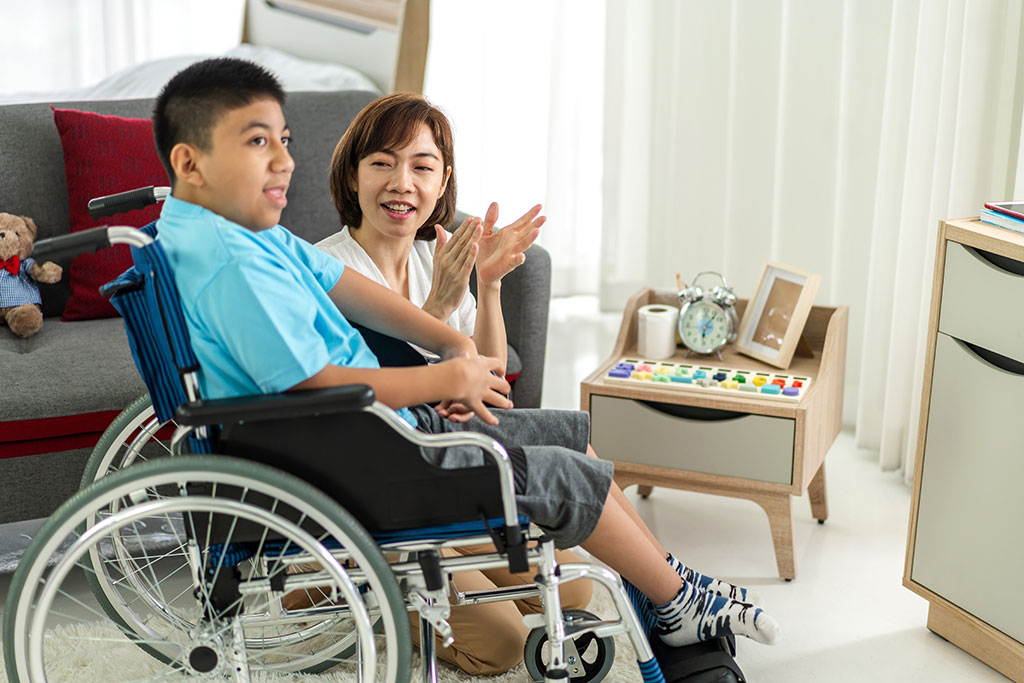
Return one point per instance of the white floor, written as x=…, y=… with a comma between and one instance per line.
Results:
x=846, y=617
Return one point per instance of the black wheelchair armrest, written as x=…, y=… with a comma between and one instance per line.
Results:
x=283, y=406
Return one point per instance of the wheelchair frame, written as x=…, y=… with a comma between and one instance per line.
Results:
x=423, y=578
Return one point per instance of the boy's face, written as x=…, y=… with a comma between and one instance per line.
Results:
x=245, y=174
x=398, y=188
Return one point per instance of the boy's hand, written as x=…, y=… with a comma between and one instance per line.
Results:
x=453, y=260
x=501, y=251
x=454, y=411
x=476, y=382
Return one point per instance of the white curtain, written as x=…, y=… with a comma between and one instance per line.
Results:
x=59, y=45
x=522, y=85
x=829, y=135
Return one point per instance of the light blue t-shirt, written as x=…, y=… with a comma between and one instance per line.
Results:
x=256, y=304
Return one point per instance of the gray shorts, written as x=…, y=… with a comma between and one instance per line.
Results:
x=563, y=490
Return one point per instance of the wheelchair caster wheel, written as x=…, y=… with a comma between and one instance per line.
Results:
x=588, y=658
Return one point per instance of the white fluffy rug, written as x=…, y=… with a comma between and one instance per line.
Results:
x=111, y=662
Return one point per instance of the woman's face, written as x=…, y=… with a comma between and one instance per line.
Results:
x=398, y=188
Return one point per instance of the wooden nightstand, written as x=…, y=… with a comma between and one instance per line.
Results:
x=762, y=449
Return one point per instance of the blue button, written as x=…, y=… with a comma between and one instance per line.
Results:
x=770, y=389
x=618, y=372
x=700, y=374
x=684, y=380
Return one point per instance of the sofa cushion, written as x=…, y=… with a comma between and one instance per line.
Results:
x=103, y=155
x=67, y=369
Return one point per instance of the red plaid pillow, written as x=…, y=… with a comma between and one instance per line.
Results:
x=103, y=155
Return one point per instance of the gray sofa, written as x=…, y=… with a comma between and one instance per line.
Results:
x=63, y=386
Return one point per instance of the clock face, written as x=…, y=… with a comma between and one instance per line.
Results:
x=703, y=327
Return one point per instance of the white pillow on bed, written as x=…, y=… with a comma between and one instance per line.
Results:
x=146, y=79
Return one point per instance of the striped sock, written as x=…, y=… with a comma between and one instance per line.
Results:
x=712, y=585
x=694, y=615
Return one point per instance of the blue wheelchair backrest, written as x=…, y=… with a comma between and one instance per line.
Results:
x=147, y=298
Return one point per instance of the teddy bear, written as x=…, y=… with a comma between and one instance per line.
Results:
x=19, y=294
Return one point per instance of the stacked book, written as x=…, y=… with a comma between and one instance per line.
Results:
x=1004, y=214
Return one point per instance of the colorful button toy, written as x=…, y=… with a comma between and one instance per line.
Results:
x=680, y=377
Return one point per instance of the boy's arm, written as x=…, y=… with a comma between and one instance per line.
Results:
x=468, y=380
x=373, y=305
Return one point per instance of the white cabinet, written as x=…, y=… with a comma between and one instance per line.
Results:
x=966, y=541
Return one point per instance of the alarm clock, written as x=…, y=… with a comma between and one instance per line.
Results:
x=707, y=319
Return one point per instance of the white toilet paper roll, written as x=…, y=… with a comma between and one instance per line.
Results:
x=657, y=331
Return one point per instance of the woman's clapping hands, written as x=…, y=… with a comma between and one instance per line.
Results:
x=501, y=251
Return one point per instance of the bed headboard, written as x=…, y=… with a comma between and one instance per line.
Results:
x=384, y=39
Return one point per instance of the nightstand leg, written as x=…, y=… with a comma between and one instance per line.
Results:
x=644, y=491
x=819, y=499
x=780, y=518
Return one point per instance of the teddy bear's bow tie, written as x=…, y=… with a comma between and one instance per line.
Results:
x=12, y=265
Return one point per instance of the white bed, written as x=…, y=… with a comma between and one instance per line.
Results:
x=146, y=79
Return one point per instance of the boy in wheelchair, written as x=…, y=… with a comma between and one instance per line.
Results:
x=267, y=312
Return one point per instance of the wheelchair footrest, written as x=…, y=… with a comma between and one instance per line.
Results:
x=705, y=662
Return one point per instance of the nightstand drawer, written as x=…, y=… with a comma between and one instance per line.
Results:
x=981, y=300
x=696, y=439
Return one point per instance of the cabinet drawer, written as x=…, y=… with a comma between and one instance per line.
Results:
x=970, y=506
x=699, y=440
x=981, y=300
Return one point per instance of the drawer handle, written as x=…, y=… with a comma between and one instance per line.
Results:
x=993, y=358
x=694, y=412
x=1004, y=263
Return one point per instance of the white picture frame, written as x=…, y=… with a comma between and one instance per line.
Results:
x=775, y=316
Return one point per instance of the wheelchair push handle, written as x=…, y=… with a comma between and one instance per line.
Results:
x=88, y=241
x=121, y=202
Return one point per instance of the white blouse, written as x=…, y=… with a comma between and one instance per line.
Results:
x=341, y=246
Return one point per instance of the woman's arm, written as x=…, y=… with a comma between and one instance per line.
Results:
x=489, y=329
x=501, y=252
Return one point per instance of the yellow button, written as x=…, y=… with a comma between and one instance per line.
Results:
x=730, y=384
x=642, y=374
x=663, y=370
x=758, y=381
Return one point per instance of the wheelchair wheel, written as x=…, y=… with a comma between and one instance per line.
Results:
x=249, y=531
x=128, y=439
x=593, y=658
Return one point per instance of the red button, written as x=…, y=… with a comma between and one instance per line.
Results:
x=797, y=383
x=780, y=382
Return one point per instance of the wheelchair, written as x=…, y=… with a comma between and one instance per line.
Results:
x=249, y=552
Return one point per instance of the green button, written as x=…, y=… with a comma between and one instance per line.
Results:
x=661, y=377
x=742, y=379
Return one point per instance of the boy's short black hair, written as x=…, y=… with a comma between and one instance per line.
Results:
x=189, y=106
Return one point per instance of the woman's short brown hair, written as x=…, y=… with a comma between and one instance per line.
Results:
x=390, y=122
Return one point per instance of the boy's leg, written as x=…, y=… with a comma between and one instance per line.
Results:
x=570, y=495
x=702, y=581
x=685, y=613
x=624, y=503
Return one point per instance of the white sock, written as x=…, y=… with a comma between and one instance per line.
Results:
x=713, y=585
x=694, y=615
